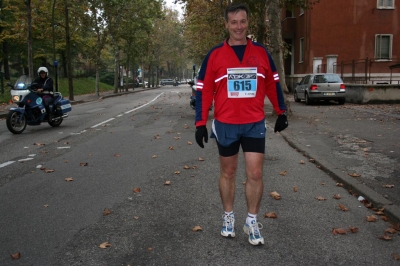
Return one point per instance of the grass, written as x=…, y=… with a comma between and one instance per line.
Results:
x=81, y=86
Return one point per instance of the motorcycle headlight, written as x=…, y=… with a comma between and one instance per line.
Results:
x=15, y=98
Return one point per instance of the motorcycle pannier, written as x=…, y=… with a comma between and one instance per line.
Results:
x=65, y=106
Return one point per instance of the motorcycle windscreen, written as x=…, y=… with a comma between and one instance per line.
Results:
x=22, y=83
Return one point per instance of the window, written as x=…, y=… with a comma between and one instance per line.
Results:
x=301, y=52
x=383, y=46
x=382, y=4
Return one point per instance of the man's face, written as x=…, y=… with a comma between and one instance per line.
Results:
x=42, y=73
x=237, y=26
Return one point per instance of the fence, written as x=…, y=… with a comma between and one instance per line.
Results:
x=363, y=71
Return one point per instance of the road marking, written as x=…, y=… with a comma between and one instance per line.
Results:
x=130, y=111
x=103, y=122
x=7, y=163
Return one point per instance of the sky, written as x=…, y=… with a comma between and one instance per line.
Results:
x=178, y=7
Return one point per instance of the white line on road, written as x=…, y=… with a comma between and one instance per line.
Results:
x=7, y=163
x=103, y=122
x=127, y=112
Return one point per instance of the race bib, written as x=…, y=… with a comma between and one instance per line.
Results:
x=242, y=82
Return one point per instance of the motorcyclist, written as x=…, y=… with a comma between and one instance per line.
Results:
x=43, y=84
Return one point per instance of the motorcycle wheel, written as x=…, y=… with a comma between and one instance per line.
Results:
x=13, y=123
x=55, y=123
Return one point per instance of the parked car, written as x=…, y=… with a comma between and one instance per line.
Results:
x=320, y=86
x=164, y=82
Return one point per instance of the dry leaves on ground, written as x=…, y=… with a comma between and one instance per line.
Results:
x=354, y=175
x=283, y=173
x=388, y=186
x=167, y=183
x=106, y=212
x=136, y=190
x=339, y=231
x=336, y=196
x=69, y=179
x=320, y=198
x=343, y=208
x=83, y=164
x=197, y=228
x=371, y=218
x=270, y=215
x=275, y=195
x=105, y=245
x=16, y=256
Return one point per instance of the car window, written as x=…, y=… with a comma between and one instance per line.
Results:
x=307, y=79
x=327, y=78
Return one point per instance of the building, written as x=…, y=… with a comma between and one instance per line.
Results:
x=358, y=39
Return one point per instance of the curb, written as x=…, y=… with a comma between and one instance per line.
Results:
x=351, y=184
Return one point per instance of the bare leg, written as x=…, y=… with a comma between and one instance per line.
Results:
x=228, y=166
x=254, y=182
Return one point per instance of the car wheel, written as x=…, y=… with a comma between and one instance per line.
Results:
x=296, y=97
x=341, y=101
x=308, y=100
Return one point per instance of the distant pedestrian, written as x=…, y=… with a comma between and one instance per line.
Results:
x=237, y=75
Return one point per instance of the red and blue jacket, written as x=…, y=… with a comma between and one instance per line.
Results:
x=212, y=85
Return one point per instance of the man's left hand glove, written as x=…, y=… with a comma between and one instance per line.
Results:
x=281, y=123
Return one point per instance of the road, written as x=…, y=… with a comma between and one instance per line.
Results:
x=115, y=147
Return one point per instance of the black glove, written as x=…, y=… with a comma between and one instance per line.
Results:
x=201, y=132
x=281, y=123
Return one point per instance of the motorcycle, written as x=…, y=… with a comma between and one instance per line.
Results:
x=193, y=96
x=31, y=110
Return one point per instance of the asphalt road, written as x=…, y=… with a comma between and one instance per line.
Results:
x=114, y=147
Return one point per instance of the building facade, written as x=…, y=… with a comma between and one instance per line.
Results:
x=358, y=39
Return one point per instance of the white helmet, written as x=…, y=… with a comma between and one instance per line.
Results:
x=42, y=69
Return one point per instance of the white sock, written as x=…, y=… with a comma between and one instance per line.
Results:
x=229, y=213
x=250, y=218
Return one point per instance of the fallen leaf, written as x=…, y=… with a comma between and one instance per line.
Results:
x=195, y=167
x=149, y=248
x=106, y=212
x=154, y=156
x=339, y=184
x=39, y=144
x=117, y=155
x=105, y=245
x=353, y=229
x=167, y=183
x=83, y=164
x=302, y=162
x=295, y=189
x=136, y=190
x=46, y=205
x=388, y=186
x=177, y=138
x=311, y=160
x=186, y=167
x=201, y=159
x=136, y=217
x=66, y=161
x=48, y=170
x=396, y=257
x=323, y=184
x=320, y=198
x=157, y=137
x=270, y=215
x=197, y=228
x=177, y=172
x=354, y=175
x=171, y=148
x=16, y=256
x=275, y=195
x=386, y=237
x=343, y=208
x=371, y=218
x=283, y=173
x=336, y=196
x=379, y=213
x=339, y=231
x=190, y=143
x=385, y=218
x=69, y=179
x=390, y=231
x=396, y=227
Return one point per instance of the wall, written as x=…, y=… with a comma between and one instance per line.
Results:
x=382, y=93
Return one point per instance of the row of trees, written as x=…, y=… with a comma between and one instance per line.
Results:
x=90, y=36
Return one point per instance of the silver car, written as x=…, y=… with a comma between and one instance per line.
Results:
x=320, y=86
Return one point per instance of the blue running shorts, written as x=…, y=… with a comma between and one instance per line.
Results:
x=231, y=136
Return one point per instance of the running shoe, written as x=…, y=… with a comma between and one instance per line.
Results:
x=253, y=230
x=228, y=225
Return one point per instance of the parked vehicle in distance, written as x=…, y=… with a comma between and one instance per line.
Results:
x=320, y=86
x=164, y=82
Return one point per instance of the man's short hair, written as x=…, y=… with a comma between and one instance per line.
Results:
x=234, y=8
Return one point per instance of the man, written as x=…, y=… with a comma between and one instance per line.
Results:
x=44, y=86
x=237, y=75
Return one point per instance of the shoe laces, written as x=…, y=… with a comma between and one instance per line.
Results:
x=229, y=220
x=255, y=228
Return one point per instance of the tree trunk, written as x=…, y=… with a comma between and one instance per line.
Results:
x=276, y=43
x=30, y=39
x=69, y=57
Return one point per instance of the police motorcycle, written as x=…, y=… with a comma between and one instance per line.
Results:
x=193, y=96
x=30, y=109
